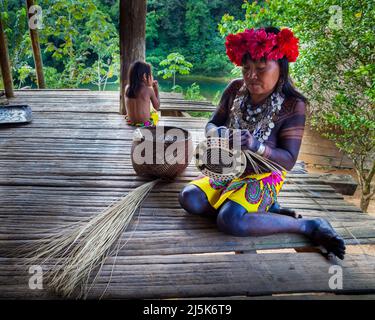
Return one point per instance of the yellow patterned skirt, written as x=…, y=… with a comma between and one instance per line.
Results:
x=255, y=192
x=153, y=121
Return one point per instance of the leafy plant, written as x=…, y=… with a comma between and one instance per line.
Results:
x=177, y=89
x=200, y=114
x=81, y=41
x=174, y=63
x=194, y=93
x=24, y=72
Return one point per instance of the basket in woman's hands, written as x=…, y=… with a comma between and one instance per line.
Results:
x=228, y=153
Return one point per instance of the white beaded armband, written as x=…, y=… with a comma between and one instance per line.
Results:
x=261, y=149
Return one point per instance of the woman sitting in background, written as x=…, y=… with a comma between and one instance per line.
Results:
x=141, y=90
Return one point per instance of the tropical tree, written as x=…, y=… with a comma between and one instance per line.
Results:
x=24, y=72
x=15, y=25
x=82, y=41
x=102, y=43
x=174, y=63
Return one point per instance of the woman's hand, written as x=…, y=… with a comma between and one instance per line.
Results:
x=219, y=132
x=248, y=141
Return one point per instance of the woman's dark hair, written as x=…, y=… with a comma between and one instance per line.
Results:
x=288, y=88
x=136, y=72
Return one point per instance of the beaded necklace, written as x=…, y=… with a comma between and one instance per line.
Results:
x=259, y=120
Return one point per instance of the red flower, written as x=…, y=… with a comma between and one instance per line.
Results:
x=261, y=44
x=236, y=47
x=288, y=44
x=275, y=54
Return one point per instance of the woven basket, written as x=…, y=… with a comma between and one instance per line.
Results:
x=167, y=161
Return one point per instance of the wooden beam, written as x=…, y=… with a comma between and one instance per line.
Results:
x=36, y=49
x=132, y=39
x=4, y=63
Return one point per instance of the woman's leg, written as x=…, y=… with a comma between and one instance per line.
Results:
x=195, y=201
x=275, y=208
x=234, y=219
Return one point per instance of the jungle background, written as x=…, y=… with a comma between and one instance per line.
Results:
x=81, y=36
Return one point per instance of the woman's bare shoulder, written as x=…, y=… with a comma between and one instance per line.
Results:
x=233, y=87
x=294, y=105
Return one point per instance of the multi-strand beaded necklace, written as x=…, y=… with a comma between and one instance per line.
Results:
x=260, y=119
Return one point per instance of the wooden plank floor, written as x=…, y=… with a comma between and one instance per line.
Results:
x=72, y=161
x=315, y=150
x=108, y=101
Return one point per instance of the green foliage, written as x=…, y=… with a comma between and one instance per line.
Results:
x=78, y=37
x=25, y=72
x=194, y=93
x=15, y=25
x=53, y=78
x=335, y=68
x=78, y=40
x=217, y=63
x=200, y=114
x=154, y=57
x=190, y=27
x=152, y=25
x=177, y=89
x=82, y=41
x=216, y=98
x=174, y=63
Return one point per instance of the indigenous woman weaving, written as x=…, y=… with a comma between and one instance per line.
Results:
x=270, y=113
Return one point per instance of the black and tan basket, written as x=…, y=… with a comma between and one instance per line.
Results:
x=171, y=149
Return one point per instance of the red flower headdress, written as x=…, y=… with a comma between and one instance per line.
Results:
x=261, y=44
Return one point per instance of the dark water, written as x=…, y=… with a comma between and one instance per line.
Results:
x=208, y=86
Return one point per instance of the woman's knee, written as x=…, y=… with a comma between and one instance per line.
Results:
x=229, y=219
x=194, y=200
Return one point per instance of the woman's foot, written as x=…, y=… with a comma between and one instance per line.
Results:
x=322, y=233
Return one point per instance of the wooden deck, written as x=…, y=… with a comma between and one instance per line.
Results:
x=74, y=159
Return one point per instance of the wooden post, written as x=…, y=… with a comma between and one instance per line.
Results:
x=36, y=49
x=132, y=39
x=4, y=63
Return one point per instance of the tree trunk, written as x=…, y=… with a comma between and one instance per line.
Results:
x=132, y=39
x=365, y=196
x=36, y=49
x=367, y=191
x=365, y=201
x=4, y=64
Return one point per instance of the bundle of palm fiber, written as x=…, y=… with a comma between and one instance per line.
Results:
x=72, y=253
